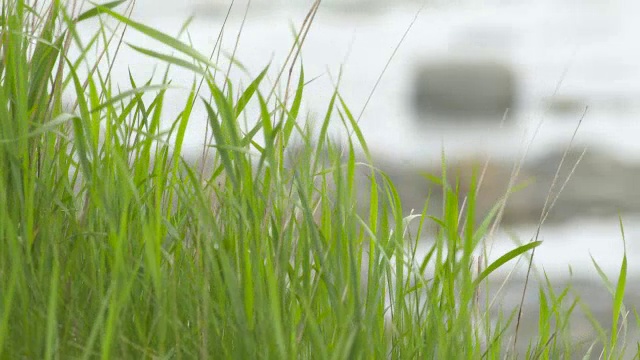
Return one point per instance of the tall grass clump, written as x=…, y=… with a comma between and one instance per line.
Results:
x=113, y=246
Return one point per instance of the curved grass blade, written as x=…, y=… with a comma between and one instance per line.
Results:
x=95, y=11
x=618, y=298
x=170, y=59
x=248, y=93
x=505, y=259
x=128, y=93
x=47, y=127
x=220, y=140
x=355, y=127
x=161, y=37
x=295, y=108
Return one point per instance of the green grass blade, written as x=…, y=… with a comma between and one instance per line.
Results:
x=248, y=93
x=126, y=94
x=292, y=115
x=45, y=128
x=160, y=36
x=505, y=259
x=221, y=141
x=170, y=59
x=95, y=11
x=619, y=294
x=355, y=128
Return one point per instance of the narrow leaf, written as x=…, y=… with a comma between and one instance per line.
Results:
x=248, y=93
x=505, y=259
x=96, y=10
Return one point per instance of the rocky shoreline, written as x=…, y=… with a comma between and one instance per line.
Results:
x=581, y=294
x=600, y=185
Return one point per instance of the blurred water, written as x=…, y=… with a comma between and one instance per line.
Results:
x=583, y=56
x=572, y=52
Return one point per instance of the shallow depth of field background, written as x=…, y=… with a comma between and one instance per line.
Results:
x=553, y=62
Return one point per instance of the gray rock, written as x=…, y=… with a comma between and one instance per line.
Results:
x=590, y=294
x=600, y=186
x=466, y=89
x=565, y=105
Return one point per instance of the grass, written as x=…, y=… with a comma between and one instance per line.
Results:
x=113, y=246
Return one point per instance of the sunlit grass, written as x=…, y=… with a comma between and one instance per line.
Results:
x=113, y=246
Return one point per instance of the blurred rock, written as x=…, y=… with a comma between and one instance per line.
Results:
x=600, y=186
x=467, y=89
x=565, y=105
x=590, y=293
